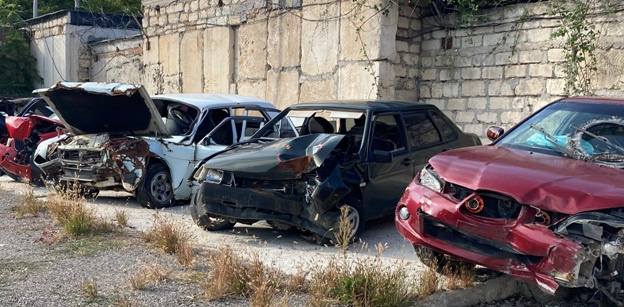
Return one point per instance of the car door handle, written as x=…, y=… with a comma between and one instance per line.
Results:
x=406, y=162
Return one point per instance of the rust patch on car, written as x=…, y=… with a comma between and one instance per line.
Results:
x=297, y=165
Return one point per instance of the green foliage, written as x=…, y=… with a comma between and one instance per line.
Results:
x=17, y=70
x=580, y=43
x=107, y=6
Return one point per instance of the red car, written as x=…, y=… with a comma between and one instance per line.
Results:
x=544, y=202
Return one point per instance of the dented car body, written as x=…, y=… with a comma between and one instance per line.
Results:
x=122, y=139
x=544, y=202
x=353, y=154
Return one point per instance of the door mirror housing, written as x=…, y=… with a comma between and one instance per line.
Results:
x=382, y=156
x=494, y=132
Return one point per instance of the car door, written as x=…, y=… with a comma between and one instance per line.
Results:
x=423, y=138
x=386, y=180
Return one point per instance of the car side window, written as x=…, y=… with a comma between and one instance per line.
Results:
x=442, y=122
x=420, y=130
x=386, y=134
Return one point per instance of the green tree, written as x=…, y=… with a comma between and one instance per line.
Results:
x=17, y=72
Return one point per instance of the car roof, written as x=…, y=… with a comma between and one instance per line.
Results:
x=205, y=101
x=600, y=100
x=373, y=105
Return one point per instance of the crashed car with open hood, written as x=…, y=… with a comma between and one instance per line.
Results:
x=544, y=202
x=121, y=139
x=354, y=154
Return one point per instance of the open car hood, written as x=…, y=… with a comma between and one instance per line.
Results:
x=547, y=182
x=280, y=160
x=92, y=107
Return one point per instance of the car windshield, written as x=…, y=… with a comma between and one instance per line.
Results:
x=578, y=130
x=308, y=121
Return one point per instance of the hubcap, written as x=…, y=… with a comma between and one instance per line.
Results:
x=160, y=187
x=354, y=220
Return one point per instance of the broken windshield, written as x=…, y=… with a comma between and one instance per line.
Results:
x=579, y=130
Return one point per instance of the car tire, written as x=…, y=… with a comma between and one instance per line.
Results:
x=37, y=174
x=155, y=191
x=355, y=214
x=436, y=260
x=210, y=223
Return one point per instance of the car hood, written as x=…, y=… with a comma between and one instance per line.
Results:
x=544, y=181
x=280, y=160
x=91, y=108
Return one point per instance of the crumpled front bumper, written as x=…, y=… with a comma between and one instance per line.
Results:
x=517, y=247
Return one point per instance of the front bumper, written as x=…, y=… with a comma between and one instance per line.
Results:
x=517, y=247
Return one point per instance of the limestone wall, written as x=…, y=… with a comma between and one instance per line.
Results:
x=284, y=51
x=49, y=46
x=117, y=60
x=500, y=72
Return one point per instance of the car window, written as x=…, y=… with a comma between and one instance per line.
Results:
x=214, y=117
x=444, y=125
x=386, y=134
x=420, y=130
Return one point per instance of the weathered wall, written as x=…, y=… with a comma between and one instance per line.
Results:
x=502, y=71
x=406, y=60
x=117, y=60
x=49, y=47
x=287, y=52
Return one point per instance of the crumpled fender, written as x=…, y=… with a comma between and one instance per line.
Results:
x=328, y=192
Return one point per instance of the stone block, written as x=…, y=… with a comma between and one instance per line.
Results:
x=284, y=41
x=402, y=46
x=505, y=58
x=252, y=59
x=500, y=88
x=253, y=88
x=355, y=81
x=477, y=129
x=400, y=71
x=363, y=29
x=499, y=103
x=492, y=73
x=169, y=53
x=477, y=103
x=494, y=39
x=471, y=73
x=539, y=35
x=541, y=70
x=511, y=117
x=555, y=86
x=530, y=56
x=483, y=59
x=516, y=71
x=428, y=74
x=473, y=88
x=489, y=118
x=424, y=91
x=465, y=117
x=430, y=44
x=450, y=89
x=283, y=88
x=529, y=87
x=410, y=59
x=437, y=90
x=403, y=22
x=319, y=39
x=427, y=61
x=218, y=59
x=439, y=103
x=313, y=90
x=556, y=55
x=191, y=47
x=456, y=104
x=471, y=41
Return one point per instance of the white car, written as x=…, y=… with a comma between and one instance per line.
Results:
x=121, y=139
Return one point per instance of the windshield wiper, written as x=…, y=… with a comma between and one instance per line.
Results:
x=600, y=138
x=548, y=137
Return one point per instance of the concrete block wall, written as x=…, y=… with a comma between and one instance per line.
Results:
x=500, y=72
x=407, y=58
x=282, y=51
x=116, y=60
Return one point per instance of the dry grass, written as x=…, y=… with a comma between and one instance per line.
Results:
x=429, y=281
x=90, y=289
x=172, y=237
x=125, y=301
x=233, y=276
x=121, y=216
x=29, y=204
x=458, y=275
x=297, y=282
x=73, y=215
x=149, y=274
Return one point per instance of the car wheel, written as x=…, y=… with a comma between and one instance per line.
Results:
x=156, y=190
x=355, y=219
x=280, y=225
x=36, y=173
x=437, y=260
x=208, y=222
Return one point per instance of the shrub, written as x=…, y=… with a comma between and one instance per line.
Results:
x=29, y=205
x=172, y=237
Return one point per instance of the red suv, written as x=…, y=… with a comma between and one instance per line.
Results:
x=544, y=202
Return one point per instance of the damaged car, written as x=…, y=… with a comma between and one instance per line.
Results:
x=24, y=123
x=354, y=154
x=544, y=202
x=122, y=139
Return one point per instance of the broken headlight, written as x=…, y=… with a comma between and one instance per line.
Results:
x=213, y=175
x=430, y=179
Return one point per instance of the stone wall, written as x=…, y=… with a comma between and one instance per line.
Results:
x=284, y=51
x=406, y=61
x=116, y=60
x=49, y=46
x=502, y=71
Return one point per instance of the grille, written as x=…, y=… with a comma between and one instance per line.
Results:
x=496, y=205
x=81, y=155
x=19, y=145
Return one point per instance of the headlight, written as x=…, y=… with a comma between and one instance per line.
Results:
x=404, y=213
x=430, y=179
x=213, y=175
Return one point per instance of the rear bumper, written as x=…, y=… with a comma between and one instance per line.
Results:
x=250, y=205
x=520, y=248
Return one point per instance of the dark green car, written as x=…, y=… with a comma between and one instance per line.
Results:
x=358, y=154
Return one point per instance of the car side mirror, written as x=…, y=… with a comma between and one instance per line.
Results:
x=494, y=132
x=382, y=156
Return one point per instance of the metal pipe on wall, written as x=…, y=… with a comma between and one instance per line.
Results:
x=35, y=8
